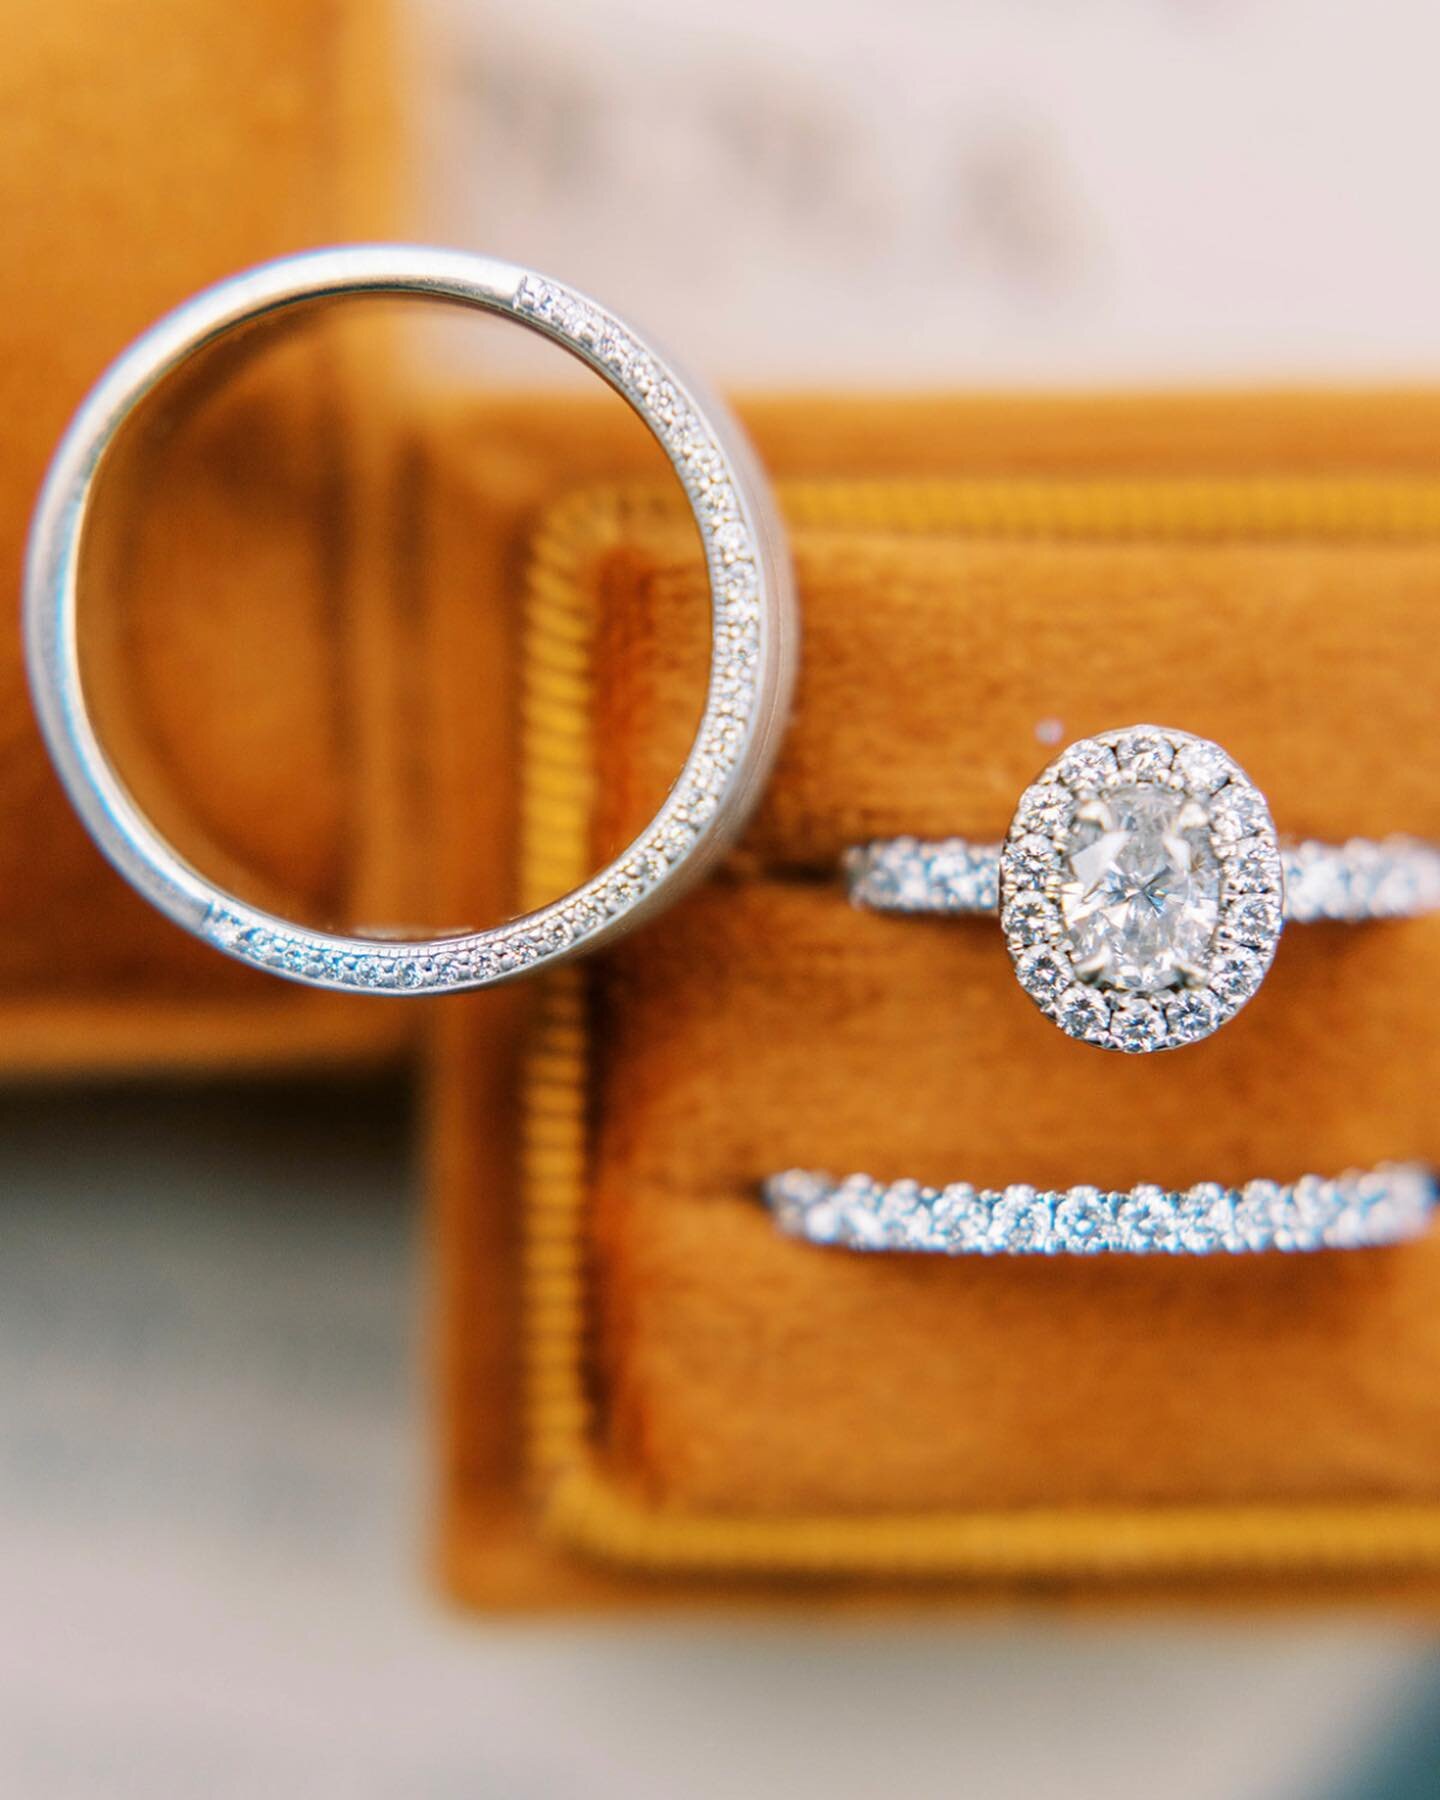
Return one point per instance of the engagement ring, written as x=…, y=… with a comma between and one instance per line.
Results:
x=1142, y=887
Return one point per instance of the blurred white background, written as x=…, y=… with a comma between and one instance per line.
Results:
x=958, y=191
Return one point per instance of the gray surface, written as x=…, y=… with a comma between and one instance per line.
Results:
x=211, y=1505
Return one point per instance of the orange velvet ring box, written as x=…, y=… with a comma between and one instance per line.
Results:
x=646, y=1394
x=150, y=151
x=648, y=1389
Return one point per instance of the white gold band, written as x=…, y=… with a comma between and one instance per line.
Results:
x=752, y=627
x=1361, y=1209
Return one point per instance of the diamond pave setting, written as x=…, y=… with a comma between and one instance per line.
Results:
x=1361, y=1209
x=716, y=767
x=1141, y=889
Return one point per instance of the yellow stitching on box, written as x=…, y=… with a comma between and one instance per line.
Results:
x=1342, y=509
x=554, y=824
x=581, y=1504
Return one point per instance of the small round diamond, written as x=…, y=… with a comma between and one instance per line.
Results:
x=1412, y=1196
x=961, y=1219
x=742, y=582
x=1030, y=860
x=1347, y=1230
x=1204, y=1218
x=823, y=1224
x=894, y=874
x=1255, y=1213
x=644, y=376
x=226, y=930
x=1252, y=919
x=1236, y=974
x=1239, y=811
x=1085, y=1221
x=966, y=877
x=793, y=1197
x=1087, y=765
x=1251, y=867
x=1317, y=1206
x=1138, y=1025
x=905, y=1215
x=1363, y=1205
x=857, y=1202
x=1030, y=919
x=1201, y=765
x=1083, y=1013
x=720, y=501
x=1290, y=1229
x=1044, y=973
x=1020, y=1220
x=731, y=541
x=1143, y=754
x=1045, y=808
x=1372, y=1202
x=1147, y=1220
x=1191, y=1014
x=1318, y=883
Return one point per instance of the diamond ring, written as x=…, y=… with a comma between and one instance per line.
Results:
x=752, y=626
x=1362, y=1209
x=1142, y=887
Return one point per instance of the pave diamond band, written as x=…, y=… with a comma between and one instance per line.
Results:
x=1366, y=879
x=1362, y=1209
x=1142, y=887
x=752, y=627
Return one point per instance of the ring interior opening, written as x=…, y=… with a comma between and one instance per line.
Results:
x=347, y=573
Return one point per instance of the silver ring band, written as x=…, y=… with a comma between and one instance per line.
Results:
x=1361, y=1209
x=1354, y=883
x=752, y=628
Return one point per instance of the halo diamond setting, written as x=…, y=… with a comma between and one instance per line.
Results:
x=1141, y=889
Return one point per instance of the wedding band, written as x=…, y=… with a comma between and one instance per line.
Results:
x=1142, y=886
x=1362, y=1209
x=752, y=627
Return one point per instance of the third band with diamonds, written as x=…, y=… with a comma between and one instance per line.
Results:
x=1363, y=1209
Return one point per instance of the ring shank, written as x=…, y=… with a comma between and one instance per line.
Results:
x=752, y=626
x=1351, y=883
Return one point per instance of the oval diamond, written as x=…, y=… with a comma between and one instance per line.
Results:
x=1140, y=890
